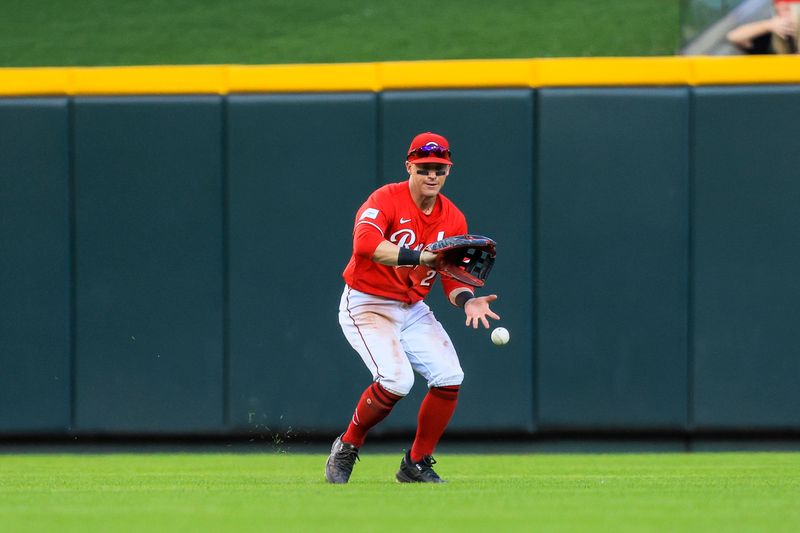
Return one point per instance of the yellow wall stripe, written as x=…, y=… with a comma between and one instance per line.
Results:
x=33, y=81
x=746, y=70
x=454, y=74
x=602, y=71
x=303, y=78
x=148, y=80
x=566, y=72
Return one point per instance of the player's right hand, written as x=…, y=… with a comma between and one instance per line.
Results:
x=477, y=309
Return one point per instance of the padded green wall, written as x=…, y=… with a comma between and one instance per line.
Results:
x=35, y=365
x=299, y=167
x=148, y=208
x=173, y=264
x=612, y=256
x=746, y=245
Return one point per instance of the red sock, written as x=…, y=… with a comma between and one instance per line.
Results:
x=375, y=404
x=434, y=414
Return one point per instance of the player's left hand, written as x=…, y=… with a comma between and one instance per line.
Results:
x=477, y=309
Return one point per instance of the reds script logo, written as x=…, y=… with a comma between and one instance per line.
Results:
x=406, y=238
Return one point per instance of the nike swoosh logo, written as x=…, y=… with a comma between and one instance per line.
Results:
x=404, y=220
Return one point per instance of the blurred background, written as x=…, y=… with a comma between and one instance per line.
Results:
x=170, y=264
x=148, y=32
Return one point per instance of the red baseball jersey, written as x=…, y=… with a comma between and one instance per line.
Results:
x=391, y=214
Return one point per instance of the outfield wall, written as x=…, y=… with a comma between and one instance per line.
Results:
x=172, y=245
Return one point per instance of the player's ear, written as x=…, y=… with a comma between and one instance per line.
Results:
x=408, y=167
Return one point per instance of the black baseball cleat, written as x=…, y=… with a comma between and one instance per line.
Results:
x=340, y=462
x=422, y=472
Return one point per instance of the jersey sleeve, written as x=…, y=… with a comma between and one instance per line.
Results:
x=449, y=284
x=372, y=221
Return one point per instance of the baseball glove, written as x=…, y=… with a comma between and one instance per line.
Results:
x=466, y=258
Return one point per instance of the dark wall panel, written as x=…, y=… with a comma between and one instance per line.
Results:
x=34, y=265
x=491, y=136
x=612, y=254
x=205, y=305
x=148, y=177
x=299, y=167
x=747, y=258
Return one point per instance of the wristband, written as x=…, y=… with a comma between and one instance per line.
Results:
x=462, y=298
x=408, y=257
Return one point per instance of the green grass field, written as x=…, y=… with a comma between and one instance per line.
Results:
x=287, y=492
x=146, y=32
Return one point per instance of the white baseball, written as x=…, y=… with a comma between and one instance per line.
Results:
x=500, y=336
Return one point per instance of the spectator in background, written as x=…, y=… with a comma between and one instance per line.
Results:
x=776, y=35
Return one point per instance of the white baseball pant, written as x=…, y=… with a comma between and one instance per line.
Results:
x=395, y=339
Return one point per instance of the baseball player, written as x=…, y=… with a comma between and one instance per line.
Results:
x=384, y=317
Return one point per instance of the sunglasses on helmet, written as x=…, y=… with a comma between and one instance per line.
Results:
x=430, y=149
